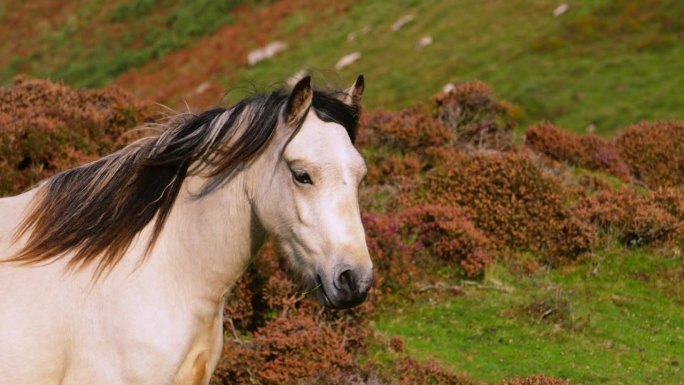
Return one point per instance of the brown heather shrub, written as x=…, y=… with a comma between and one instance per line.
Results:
x=394, y=259
x=395, y=168
x=654, y=152
x=572, y=238
x=446, y=233
x=408, y=371
x=239, y=311
x=287, y=350
x=406, y=130
x=401, y=144
x=669, y=199
x=535, y=380
x=477, y=118
x=601, y=155
x=593, y=183
x=435, y=156
x=588, y=151
x=551, y=141
x=424, y=236
x=634, y=219
x=47, y=127
x=397, y=344
x=504, y=194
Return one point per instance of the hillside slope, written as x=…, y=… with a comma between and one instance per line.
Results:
x=600, y=65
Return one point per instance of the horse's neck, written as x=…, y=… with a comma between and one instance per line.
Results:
x=209, y=241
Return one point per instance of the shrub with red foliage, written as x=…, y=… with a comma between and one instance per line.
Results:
x=572, y=238
x=239, y=311
x=288, y=350
x=408, y=371
x=654, y=152
x=406, y=130
x=588, y=151
x=401, y=140
x=505, y=195
x=421, y=236
x=593, y=183
x=669, y=199
x=477, y=117
x=634, y=219
x=395, y=168
x=394, y=259
x=48, y=127
x=447, y=234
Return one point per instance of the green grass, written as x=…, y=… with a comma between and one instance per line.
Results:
x=601, y=77
x=612, y=323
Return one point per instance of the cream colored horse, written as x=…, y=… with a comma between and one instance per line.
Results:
x=116, y=272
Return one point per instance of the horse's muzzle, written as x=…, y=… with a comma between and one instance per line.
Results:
x=348, y=287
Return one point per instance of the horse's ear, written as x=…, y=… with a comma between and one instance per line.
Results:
x=352, y=95
x=299, y=100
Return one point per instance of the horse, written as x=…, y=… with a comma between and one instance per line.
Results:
x=116, y=272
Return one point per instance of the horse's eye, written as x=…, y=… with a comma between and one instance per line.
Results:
x=302, y=177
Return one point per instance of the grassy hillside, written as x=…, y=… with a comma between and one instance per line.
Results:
x=603, y=64
x=597, y=64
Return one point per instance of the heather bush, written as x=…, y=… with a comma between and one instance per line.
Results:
x=477, y=118
x=48, y=127
x=654, y=152
x=669, y=199
x=588, y=151
x=401, y=143
x=287, y=350
x=395, y=168
x=406, y=130
x=572, y=238
x=635, y=220
x=446, y=233
x=505, y=195
x=408, y=371
x=549, y=140
x=593, y=183
x=424, y=236
x=393, y=258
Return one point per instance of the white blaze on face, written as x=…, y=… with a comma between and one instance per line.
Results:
x=327, y=224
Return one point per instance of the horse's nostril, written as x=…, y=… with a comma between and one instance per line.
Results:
x=345, y=281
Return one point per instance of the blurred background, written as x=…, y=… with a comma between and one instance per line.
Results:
x=525, y=197
x=596, y=64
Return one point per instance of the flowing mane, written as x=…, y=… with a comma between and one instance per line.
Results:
x=95, y=211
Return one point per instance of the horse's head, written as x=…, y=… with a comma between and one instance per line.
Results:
x=310, y=202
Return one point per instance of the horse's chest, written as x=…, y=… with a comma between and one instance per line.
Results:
x=150, y=341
